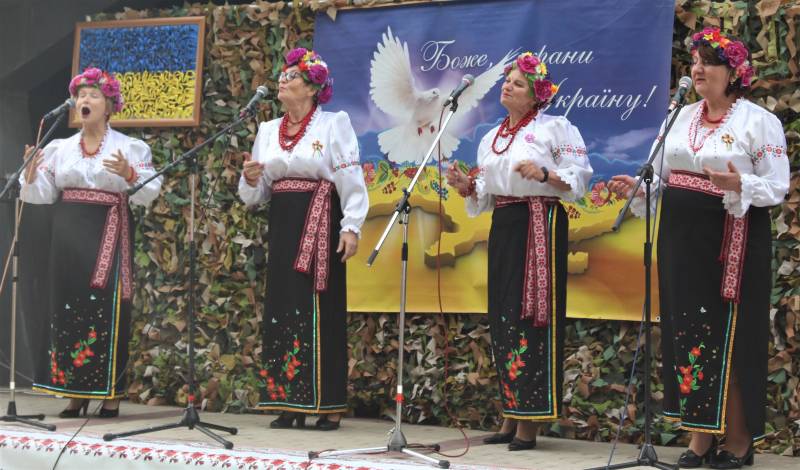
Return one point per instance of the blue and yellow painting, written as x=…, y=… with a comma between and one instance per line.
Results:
x=157, y=66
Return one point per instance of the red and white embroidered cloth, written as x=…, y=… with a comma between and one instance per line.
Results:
x=734, y=237
x=116, y=231
x=537, y=283
x=315, y=243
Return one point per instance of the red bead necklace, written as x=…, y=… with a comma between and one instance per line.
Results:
x=88, y=154
x=287, y=141
x=505, y=131
x=709, y=120
x=695, y=126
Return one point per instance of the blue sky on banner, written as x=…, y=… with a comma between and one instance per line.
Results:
x=611, y=59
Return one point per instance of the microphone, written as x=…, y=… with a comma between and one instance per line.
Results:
x=61, y=109
x=261, y=92
x=683, y=86
x=466, y=81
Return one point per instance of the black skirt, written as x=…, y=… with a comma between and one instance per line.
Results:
x=89, y=328
x=707, y=341
x=529, y=360
x=304, y=334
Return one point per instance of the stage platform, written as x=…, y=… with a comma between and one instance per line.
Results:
x=258, y=447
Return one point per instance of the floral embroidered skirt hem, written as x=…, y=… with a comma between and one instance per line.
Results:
x=529, y=359
x=707, y=342
x=89, y=327
x=304, y=351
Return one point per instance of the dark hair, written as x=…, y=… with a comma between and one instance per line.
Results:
x=711, y=56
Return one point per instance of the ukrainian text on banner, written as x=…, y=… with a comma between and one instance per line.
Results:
x=393, y=68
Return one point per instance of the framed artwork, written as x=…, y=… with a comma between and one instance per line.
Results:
x=158, y=62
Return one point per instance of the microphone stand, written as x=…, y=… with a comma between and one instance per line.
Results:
x=11, y=413
x=397, y=441
x=647, y=454
x=191, y=418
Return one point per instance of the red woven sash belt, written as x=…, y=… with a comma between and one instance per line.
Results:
x=116, y=231
x=537, y=284
x=734, y=237
x=315, y=243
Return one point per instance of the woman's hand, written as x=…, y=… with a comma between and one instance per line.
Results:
x=33, y=166
x=529, y=170
x=119, y=166
x=729, y=180
x=457, y=178
x=348, y=243
x=622, y=185
x=251, y=170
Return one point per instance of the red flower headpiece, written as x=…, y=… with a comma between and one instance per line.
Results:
x=106, y=82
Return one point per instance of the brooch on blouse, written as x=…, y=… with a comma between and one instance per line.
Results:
x=317, y=146
x=728, y=139
x=529, y=138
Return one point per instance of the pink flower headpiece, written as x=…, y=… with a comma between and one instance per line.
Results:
x=106, y=82
x=535, y=71
x=314, y=70
x=730, y=51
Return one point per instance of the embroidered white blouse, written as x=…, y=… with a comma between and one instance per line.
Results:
x=64, y=166
x=548, y=141
x=328, y=150
x=749, y=136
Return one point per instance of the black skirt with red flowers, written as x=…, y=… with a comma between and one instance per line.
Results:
x=708, y=342
x=304, y=335
x=529, y=359
x=89, y=327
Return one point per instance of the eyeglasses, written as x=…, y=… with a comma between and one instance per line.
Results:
x=289, y=76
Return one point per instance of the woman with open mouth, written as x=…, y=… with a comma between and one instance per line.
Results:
x=91, y=269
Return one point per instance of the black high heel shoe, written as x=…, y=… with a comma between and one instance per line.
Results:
x=286, y=419
x=519, y=444
x=325, y=424
x=75, y=412
x=689, y=459
x=500, y=438
x=108, y=412
x=726, y=459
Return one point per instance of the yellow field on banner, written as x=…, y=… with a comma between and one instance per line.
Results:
x=606, y=275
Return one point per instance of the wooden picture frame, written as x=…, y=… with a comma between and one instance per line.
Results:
x=158, y=61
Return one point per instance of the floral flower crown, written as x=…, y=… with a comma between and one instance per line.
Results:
x=106, y=82
x=535, y=71
x=314, y=70
x=730, y=51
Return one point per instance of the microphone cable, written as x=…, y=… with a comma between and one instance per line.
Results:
x=89, y=416
x=18, y=218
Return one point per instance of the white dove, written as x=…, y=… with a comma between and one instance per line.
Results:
x=416, y=113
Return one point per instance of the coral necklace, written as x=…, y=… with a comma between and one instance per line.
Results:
x=287, y=141
x=88, y=154
x=505, y=131
x=695, y=126
x=709, y=120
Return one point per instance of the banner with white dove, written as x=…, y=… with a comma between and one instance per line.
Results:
x=394, y=67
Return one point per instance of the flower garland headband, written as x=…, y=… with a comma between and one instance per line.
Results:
x=730, y=51
x=535, y=71
x=314, y=70
x=106, y=82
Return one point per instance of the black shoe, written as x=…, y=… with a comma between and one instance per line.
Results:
x=76, y=412
x=689, y=459
x=726, y=459
x=286, y=419
x=108, y=413
x=325, y=424
x=519, y=444
x=499, y=438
